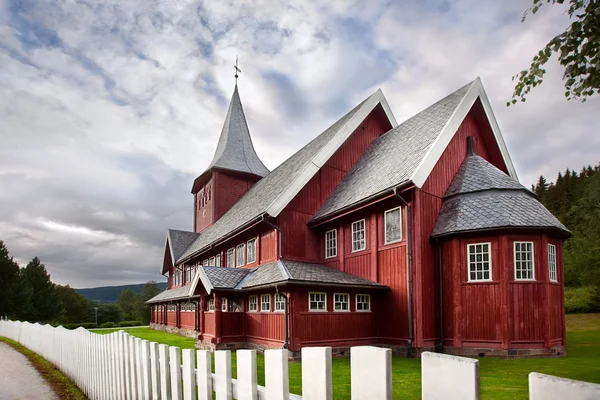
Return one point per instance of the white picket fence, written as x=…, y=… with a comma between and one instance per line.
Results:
x=120, y=366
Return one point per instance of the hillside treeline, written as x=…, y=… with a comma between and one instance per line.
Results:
x=574, y=198
x=28, y=294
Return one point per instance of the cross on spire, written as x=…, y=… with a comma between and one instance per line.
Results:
x=237, y=70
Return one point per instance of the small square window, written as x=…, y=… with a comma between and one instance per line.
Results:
x=317, y=301
x=211, y=305
x=480, y=262
x=358, y=235
x=341, y=302
x=393, y=225
x=279, y=302
x=253, y=303
x=363, y=302
x=331, y=243
x=251, y=256
x=524, y=264
x=239, y=254
x=265, y=303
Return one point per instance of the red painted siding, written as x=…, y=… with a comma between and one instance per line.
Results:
x=268, y=246
x=203, y=201
x=264, y=327
x=392, y=273
x=187, y=319
x=209, y=323
x=233, y=326
x=229, y=188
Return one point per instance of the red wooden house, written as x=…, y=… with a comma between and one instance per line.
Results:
x=415, y=236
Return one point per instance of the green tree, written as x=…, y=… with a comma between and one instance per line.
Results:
x=47, y=305
x=126, y=303
x=76, y=305
x=578, y=50
x=9, y=272
x=142, y=310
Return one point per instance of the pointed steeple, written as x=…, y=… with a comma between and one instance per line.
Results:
x=235, y=151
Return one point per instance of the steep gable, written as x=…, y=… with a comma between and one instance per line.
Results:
x=270, y=195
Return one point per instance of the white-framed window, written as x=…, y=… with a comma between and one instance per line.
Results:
x=341, y=302
x=205, y=262
x=279, y=302
x=239, y=255
x=480, y=262
x=393, y=225
x=211, y=261
x=193, y=306
x=224, y=304
x=552, y=262
x=231, y=258
x=317, y=301
x=211, y=305
x=253, y=303
x=524, y=265
x=358, y=235
x=265, y=303
x=331, y=243
x=218, y=260
x=363, y=302
x=251, y=249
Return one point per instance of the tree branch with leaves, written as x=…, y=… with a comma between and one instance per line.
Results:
x=578, y=49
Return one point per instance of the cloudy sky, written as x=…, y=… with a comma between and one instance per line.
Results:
x=110, y=108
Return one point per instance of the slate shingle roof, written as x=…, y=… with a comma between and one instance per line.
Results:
x=393, y=157
x=171, y=294
x=475, y=174
x=255, y=201
x=225, y=278
x=180, y=241
x=235, y=150
x=305, y=272
x=481, y=197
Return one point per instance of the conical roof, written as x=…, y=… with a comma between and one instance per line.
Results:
x=235, y=151
x=481, y=198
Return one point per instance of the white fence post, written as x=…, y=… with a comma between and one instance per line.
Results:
x=154, y=370
x=175, y=365
x=247, y=388
x=146, y=380
x=371, y=373
x=276, y=375
x=449, y=377
x=165, y=372
x=203, y=375
x=189, y=376
x=132, y=367
x=316, y=372
x=223, y=387
x=548, y=387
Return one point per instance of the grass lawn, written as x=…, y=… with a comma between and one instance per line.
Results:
x=500, y=378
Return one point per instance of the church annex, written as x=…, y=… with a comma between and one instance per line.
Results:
x=414, y=236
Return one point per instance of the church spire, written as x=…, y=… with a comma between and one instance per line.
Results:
x=235, y=150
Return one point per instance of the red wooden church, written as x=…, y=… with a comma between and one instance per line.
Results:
x=415, y=236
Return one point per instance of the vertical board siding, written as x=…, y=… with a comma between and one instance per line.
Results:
x=171, y=317
x=229, y=189
x=320, y=329
x=268, y=246
x=429, y=203
x=300, y=242
x=233, y=324
x=264, y=326
x=187, y=319
x=209, y=323
x=359, y=265
x=204, y=214
x=526, y=303
x=481, y=312
x=392, y=273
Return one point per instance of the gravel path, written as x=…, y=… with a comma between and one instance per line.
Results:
x=19, y=379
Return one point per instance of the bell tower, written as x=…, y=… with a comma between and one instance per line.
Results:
x=235, y=167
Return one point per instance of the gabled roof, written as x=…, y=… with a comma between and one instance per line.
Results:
x=481, y=197
x=235, y=150
x=408, y=153
x=176, y=243
x=275, y=273
x=271, y=194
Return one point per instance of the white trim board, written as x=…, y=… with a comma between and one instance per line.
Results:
x=428, y=162
x=329, y=149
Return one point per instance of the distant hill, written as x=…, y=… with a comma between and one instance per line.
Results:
x=109, y=294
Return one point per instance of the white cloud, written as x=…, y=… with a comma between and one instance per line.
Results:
x=110, y=109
